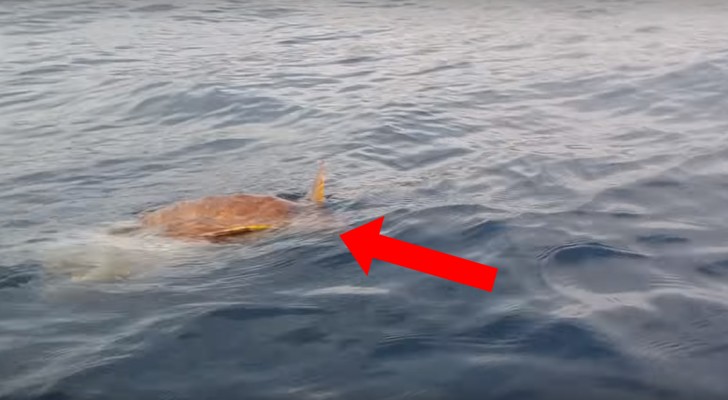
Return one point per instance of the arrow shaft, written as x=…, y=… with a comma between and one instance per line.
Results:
x=435, y=263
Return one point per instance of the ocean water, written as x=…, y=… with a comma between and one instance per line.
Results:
x=578, y=146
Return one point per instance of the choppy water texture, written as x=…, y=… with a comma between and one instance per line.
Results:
x=579, y=146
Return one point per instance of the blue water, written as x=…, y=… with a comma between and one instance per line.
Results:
x=580, y=147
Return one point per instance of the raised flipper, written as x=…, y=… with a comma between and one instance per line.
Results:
x=237, y=230
x=318, y=188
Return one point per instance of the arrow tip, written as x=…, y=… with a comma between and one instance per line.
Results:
x=361, y=242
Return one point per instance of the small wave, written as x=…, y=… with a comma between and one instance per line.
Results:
x=346, y=290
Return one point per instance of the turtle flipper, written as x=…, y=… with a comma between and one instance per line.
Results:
x=318, y=188
x=236, y=230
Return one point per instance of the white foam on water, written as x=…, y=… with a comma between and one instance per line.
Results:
x=115, y=253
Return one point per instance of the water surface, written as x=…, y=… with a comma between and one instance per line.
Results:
x=579, y=147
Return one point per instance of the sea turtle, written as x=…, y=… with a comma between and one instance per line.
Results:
x=130, y=247
x=219, y=217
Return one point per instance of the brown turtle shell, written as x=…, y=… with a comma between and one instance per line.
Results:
x=217, y=216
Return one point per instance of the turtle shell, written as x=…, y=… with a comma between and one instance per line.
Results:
x=218, y=216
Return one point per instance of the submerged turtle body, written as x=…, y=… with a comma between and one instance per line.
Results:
x=223, y=216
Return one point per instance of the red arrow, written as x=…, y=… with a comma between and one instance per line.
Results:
x=366, y=243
